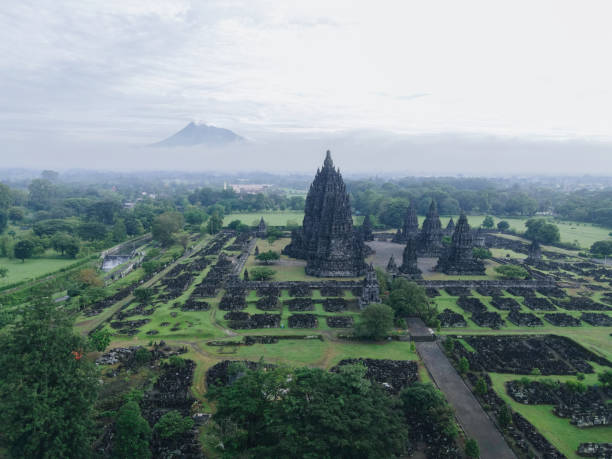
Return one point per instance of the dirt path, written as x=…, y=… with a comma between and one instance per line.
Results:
x=475, y=422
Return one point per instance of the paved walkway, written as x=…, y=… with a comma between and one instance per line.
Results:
x=470, y=414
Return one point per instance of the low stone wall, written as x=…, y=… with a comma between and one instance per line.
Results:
x=253, y=285
x=498, y=283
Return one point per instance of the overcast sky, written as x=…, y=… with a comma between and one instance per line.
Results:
x=85, y=75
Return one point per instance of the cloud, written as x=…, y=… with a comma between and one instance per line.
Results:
x=126, y=72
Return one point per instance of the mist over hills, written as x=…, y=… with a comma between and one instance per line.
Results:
x=200, y=147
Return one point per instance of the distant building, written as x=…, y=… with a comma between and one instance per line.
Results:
x=252, y=188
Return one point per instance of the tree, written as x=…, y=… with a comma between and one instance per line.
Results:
x=262, y=274
x=602, y=248
x=375, y=322
x=481, y=253
x=119, y=231
x=503, y=225
x=268, y=257
x=99, y=340
x=605, y=378
x=409, y=299
x=143, y=294
x=24, y=249
x=488, y=222
x=504, y=417
x=426, y=409
x=464, y=365
x=133, y=433
x=171, y=426
x=47, y=385
x=511, y=272
x=41, y=194
x=308, y=412
x=88, y=277
x=92, y=231
x=150, y=267
x=3, y=220
x=215, y=223
x=16, y=214
x=164, y=227
x=471, y=448
x=3, y=272
x=540, y=230
x=481, y=387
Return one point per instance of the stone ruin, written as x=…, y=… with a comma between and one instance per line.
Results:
x=584, y=408
x=394, y=375
x=538, y=303
x=300, y=304
x=450, y=319
x=303, y=321
x=550, y=354
x=597, y=319
x=327, y=240
x=371, y=291
x=410, y=226
x=409, y=266
x=599, y=450
x=238, y=320
x=562, y=320
x=339, y=321
x=458, y=259
x=524, y=319
x=335, y=304
x=488, y=319
x=505, y=303
x=429, y=241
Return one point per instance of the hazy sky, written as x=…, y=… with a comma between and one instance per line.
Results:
x=123, y=72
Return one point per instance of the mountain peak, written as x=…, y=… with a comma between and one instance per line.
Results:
x=198, y=133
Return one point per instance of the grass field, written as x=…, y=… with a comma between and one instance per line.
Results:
x=558, y=431
x=19, y=271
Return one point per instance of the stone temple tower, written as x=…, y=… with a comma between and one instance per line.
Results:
x=429, y=243
x=409, y=260
x=371, y=290
x=458, y=258
x=327, y=240
x=410, y=226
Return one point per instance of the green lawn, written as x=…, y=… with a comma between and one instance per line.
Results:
x=584, y=233
x=274, y=218
x=19, y=271
x=558, y=431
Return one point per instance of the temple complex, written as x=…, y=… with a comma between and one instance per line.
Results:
x=370, y=292
x=458, y=259
x=410, y=227
x=366, y=229
x=429, y=241
x=409, y=259
x=327, y=240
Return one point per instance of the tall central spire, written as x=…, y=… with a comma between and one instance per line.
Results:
x=328, y=160
x=327, y=240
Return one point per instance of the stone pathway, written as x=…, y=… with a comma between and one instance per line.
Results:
x=475, y=422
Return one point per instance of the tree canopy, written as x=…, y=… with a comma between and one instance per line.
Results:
x=308, y=412
x=47, y=386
